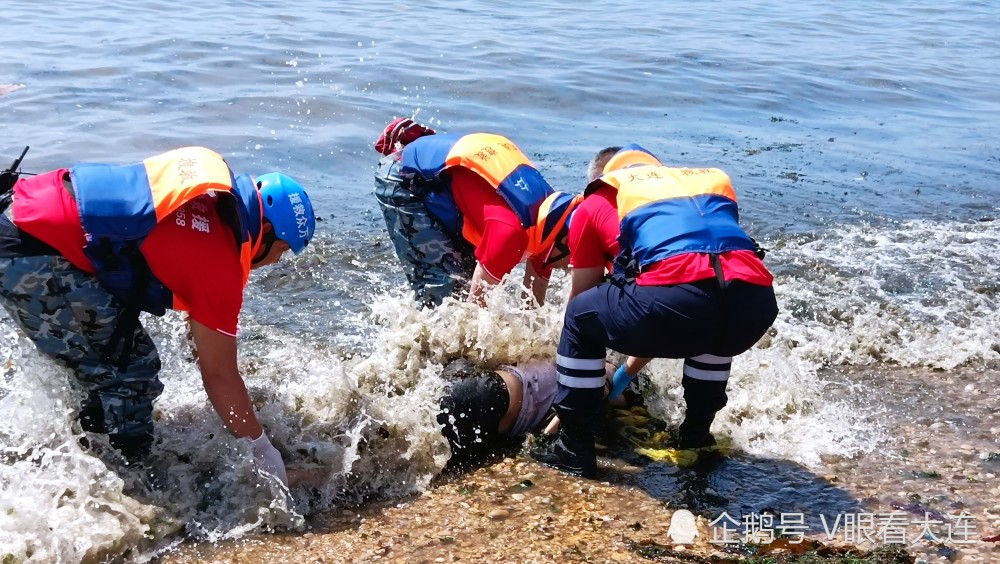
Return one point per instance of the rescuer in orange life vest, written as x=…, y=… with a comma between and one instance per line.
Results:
x=688, y=283
x=467, y=208
x=89, y=247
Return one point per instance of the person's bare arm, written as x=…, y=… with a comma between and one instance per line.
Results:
x=584, y=279
x=634, y=364
x=223, y=383
x=481, y=282
x=535, y=283
x=553, y=427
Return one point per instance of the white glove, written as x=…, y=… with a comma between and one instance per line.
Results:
x=269, y=459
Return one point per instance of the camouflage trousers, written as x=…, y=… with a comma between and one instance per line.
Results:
x=70, y=317
x=435, y=264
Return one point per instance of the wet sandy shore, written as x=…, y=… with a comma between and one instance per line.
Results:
x=938, y=468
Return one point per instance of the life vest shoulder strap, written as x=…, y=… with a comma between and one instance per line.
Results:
x=120, y=205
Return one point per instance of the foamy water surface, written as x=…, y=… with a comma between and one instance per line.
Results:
x=861, y=141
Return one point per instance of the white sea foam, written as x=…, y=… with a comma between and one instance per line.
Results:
x=923, y=294
x=363, y=418
x=57, y=502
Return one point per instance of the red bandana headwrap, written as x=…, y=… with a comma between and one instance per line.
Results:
x=398, y=133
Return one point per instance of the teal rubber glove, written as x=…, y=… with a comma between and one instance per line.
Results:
x=619, y=382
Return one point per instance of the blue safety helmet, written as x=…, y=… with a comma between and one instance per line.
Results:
x=287, y=207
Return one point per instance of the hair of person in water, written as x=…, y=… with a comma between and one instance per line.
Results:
x=602, y=157
x=471, y=409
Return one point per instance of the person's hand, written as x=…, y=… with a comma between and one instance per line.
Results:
x=619, y=382
x=553, y=427
x=269, y=459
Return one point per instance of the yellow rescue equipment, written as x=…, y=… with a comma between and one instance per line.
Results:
x=646, y=434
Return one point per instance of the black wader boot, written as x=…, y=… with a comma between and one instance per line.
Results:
x=573, y=450
x=704, y=398
x=132, y=447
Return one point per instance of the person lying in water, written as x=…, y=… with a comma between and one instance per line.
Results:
x=484, y=408
x=484, y=411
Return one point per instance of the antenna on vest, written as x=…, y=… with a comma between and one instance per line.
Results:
x=7, y=180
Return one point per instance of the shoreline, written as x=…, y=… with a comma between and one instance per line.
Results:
x=936, y=465
x=515, y=510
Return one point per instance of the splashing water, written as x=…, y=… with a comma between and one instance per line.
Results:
x=362, y=417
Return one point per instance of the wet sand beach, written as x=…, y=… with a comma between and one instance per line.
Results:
x=937, y=469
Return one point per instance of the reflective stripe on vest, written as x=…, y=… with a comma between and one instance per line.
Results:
x=670, y=211
x=120, y=205
x=493, y=157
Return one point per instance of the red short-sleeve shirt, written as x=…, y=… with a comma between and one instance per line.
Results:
x=504, y=239
x=593, y=232
x=691, y=267
x=192, y=251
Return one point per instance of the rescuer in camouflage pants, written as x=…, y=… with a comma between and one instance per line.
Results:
x=437, y=264
x=70, y=317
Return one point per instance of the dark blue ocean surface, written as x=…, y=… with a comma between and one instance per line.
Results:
x=824, y=114
x=821, y=112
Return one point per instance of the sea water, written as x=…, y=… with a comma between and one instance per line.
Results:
x=861, y=140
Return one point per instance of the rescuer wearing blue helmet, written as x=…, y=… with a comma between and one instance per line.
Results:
x=177, y=231
x=288, y=208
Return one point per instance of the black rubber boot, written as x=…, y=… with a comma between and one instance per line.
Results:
x=574, y=456
x=704, y=398
x=92, y=414
x=133, y=447
x=573, y=450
